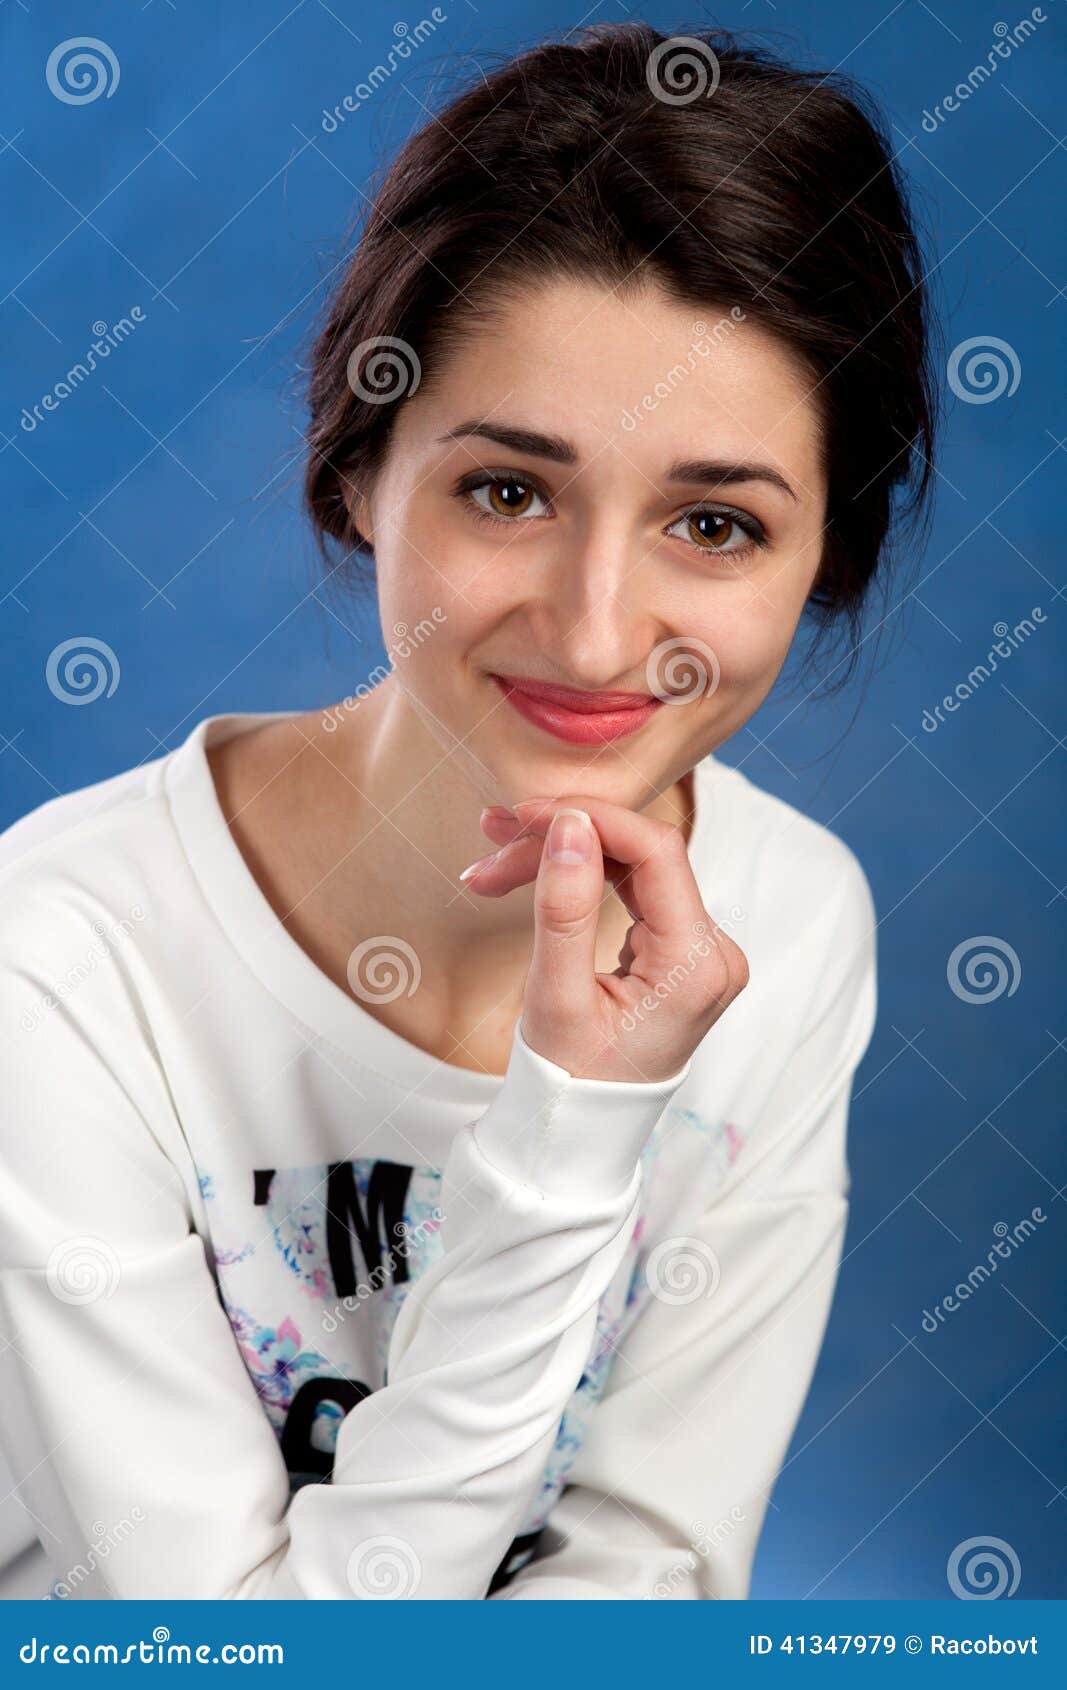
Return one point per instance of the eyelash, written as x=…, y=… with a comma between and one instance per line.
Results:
x=756, y=534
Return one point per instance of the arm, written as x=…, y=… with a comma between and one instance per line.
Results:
x=670, y=1488
x=127, y=1407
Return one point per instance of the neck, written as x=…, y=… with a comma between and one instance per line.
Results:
x=413, y=824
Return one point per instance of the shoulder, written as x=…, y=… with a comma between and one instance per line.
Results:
x=795, y=897
x=774, y=857
x=80, y=868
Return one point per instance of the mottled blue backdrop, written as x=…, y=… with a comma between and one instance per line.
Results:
x=155, y=509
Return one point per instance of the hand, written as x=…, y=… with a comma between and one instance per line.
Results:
x=678, y=971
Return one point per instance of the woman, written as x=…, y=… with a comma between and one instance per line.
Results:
x=375, y=1226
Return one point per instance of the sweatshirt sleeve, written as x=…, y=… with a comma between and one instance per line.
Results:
x=133, y=1431
x=669, y=1491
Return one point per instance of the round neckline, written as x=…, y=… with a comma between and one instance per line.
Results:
x=281, y=964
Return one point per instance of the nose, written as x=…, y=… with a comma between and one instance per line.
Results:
x=593, y=611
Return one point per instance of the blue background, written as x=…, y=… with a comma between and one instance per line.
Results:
x=157, y=510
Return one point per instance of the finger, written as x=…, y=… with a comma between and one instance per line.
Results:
x=516, y=860
x=561, y=983
x=659, y=876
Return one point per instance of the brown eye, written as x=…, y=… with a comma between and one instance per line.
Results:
x=710, y=529
x=507, y=496
x=726, y=531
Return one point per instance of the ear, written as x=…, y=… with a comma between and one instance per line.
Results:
x=359, y=512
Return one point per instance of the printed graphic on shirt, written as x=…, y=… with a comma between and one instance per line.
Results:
x=327, y=1255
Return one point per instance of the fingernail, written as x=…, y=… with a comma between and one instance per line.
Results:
x=480, y=863
x=570, y=837
x=500, y=811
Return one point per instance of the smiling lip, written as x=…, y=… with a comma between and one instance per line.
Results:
x=584, y=718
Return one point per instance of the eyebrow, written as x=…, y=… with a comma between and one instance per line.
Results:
x=705, y=471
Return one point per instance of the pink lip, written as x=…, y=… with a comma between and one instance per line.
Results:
x=584, y=718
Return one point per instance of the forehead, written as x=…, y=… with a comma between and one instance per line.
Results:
x=639, y=372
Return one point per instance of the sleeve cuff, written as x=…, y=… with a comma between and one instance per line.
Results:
x=568, y=1136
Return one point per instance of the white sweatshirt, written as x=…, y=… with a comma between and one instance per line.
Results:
x=290, y=1308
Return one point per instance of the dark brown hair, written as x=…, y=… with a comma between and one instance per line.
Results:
x=716, y=170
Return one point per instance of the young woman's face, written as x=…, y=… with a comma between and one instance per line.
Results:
x=601, y=495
